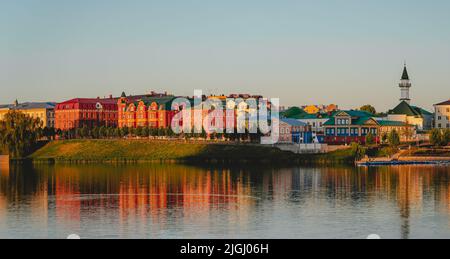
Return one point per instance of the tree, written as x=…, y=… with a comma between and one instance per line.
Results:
x=145, y=132
x=394, y=139
x=370, y=139
x=440, y=137
x=435, y=137
x=384, y=137
x=19, y=133
x=446, y=137
x=358, y=151
x=368, y=108
x=49, y=133
x=124, y=131
x=138, y=131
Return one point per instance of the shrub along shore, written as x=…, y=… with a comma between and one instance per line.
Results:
x=136, y=151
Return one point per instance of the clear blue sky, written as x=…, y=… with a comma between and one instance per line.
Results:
x=348, y=52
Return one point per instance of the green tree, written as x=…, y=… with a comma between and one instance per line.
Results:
x=145, y=132
x=370, y=139
x=368, y=108
x=446, y=137
x=124, y=131
x=19, y=133
x=95, y=132
x=138, y=132
x=436, y=137
x=394, y=139
x=49, y=133
x=358, y=151
x=85, y=132
x=384, y=137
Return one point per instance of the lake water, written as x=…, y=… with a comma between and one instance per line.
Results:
x=178, y=201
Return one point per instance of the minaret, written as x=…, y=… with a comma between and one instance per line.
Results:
x=405, y=85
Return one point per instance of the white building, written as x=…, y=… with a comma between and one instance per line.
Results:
x=442, y=115
x=315, y=121
x=404, y=112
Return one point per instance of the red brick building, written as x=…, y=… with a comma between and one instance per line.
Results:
x=145, y=111
x=80, y=112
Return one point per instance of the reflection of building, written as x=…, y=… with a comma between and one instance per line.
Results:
x=44, y=111
x=4, y=165
x=442, y=111
x=80, y=112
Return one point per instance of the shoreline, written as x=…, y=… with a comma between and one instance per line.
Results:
x=178, y=152
x=141, y=151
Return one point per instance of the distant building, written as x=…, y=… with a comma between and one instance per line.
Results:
x=311, y=109
x=294, y=131
x=420, y=118
x=345, y=127
x=442, y=113
x=86, y=112
x=316, y=121
x=45, y=111
x=405, y=112
x=314, y=109
x=147, y=111
x=405, y=85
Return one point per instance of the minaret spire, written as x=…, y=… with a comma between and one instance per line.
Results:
x=405, y=85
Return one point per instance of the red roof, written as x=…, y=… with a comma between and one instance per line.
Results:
x=444, y=103
x=88, y=103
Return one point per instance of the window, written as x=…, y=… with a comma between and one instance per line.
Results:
x=439, y=126
x=439, y=118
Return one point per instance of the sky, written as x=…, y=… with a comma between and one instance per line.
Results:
x=348, y=52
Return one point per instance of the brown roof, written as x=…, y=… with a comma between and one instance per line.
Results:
x=444, y=103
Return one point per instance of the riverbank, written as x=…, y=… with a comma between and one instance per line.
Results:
x=136, y=151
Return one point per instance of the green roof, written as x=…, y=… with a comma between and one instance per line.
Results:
x=358, y=117
x=405, y=75
x=391, y=123
x=293, y=113
x=404, y=109
x=422, y=111
x=166, y=101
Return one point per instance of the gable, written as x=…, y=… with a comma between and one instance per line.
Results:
x=342, y=114
x=371, y=121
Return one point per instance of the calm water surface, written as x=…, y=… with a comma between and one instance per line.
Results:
x=176, y=201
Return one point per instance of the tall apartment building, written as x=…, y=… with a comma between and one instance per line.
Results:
x=442, y=115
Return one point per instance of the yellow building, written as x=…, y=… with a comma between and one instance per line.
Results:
x=44, y=111
x=312, y=109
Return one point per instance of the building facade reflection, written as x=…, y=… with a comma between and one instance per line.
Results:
x=161, y=198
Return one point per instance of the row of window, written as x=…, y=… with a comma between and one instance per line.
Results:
x=343, y=121
x=442, y=110
x=350, y=131
x=439, y=118
x=440, y=126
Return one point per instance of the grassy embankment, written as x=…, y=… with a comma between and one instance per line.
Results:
x=133, y=151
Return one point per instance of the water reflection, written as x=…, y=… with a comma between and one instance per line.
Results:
x=176, y=201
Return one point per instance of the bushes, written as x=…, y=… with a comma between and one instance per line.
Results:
x=358, y=151
x=394, y=139
x=19, y=134
x=440, y=137
x=112, y=132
